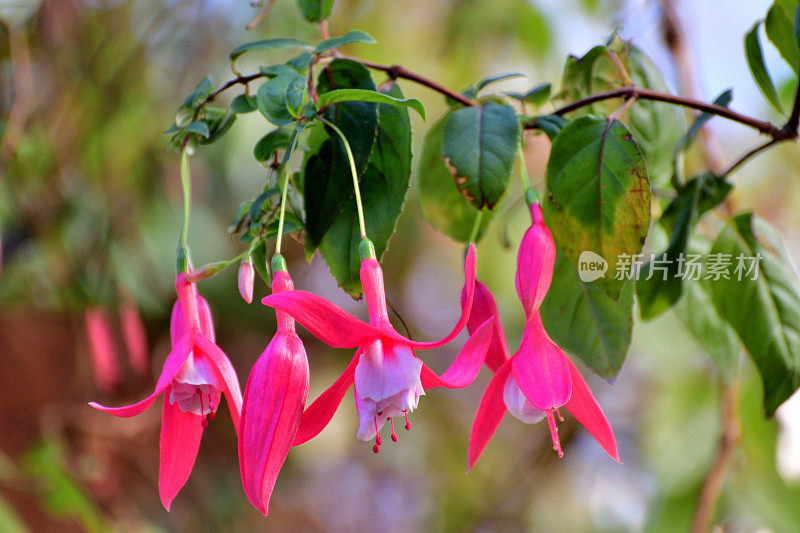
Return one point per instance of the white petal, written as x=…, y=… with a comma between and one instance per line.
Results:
x=518, y=405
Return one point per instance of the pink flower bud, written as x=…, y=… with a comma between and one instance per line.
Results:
x=135, y=337
x=246, y=278
x=101, y=349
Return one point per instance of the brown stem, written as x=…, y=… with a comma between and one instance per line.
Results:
x=398, y=71
x=677, y=42
x=743, y=159
x=239, y=80
x=712, y=486
x=648, y=94
x=261, y=15
x=24, y=96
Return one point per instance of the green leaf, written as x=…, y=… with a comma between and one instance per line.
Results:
x=199, y=127
x=271, y=98
x=656, y=126
x=598, y=194
x=327, y=182
x=296, y=96
x=440, y=201
x=709, y=330
x=200, y=92
x=724, y=100
x=260, y=261
x=780, y=24
x=278, y=139
x=364, y=95
x=587, y=322
x=765, y=312
x=383, y=186
x=797, y=26
x=267, y=44
x=660, y=282
x=551, y=125
x=315, y=10
x=755, y=60
x=479, y=146
x=243, y=104
x=472, y=91
x=537, y=95
x=576, y=81
x=353, y=36
x=358, y=120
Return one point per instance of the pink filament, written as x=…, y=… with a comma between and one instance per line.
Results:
x=408, y=424
x=551, y=422
x=394, y=435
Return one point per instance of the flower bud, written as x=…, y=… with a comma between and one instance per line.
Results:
x=246, y=279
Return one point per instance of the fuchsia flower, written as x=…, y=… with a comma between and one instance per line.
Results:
x=135, y=336
x=538, y=379
x=388, y=377
x=195, y=375
x=273, y=404
x=101, y=347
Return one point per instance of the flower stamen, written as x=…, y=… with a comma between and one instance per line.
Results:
x=408, y=424
x=551, y=422
x=378, y=441
x=394, y=435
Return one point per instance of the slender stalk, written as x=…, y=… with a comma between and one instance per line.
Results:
x=744, y=158
x=523, y=170
x=186, y=184
x=476, y=226
x=356, y=190
x=284, y=192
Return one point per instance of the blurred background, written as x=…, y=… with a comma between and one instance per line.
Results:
x=90, y=214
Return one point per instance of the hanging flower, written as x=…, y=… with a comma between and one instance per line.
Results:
x=101, y=348
x=195, y=375
x=273, y=404
x=538, y=379
x=388, y=377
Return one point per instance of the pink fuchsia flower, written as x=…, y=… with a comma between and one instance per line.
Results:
x=387, y=376
x=273, y=404
x=195, y=375
x=539, y=378
x=101, y=347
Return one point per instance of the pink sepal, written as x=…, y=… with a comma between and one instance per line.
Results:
x=540, y=368
x=172, y=365
x=273, y=404
x=466, y=365
x=585, y=409
x=232, y=389
x=319, y=413
x=180, y=440
x=490, y=413
x=483, y=308
x=326, y=321
x=469, y=292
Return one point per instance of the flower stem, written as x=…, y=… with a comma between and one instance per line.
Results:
x=476, y=226
x=285, y=188
x=523, y=170
x=527, y=191
x=350, y=158
x=186, y=183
